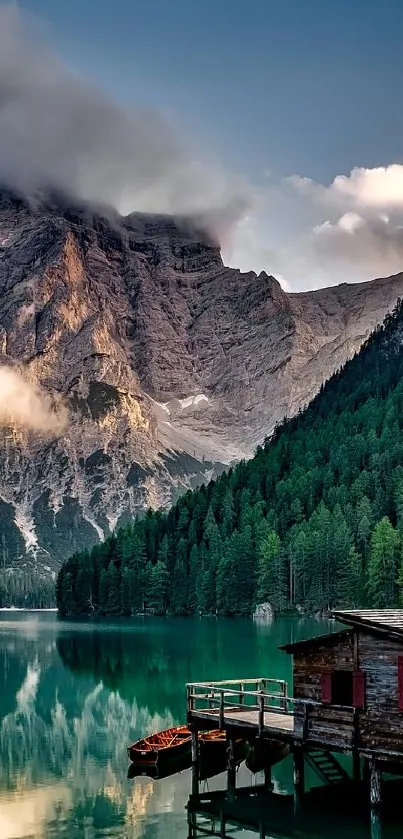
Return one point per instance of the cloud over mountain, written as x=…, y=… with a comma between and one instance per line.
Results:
x=377, y=189
x=350, y=230
x=59, y=131
x=26, y=405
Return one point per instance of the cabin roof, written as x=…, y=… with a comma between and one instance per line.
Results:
x=296, y=646
x=383, y=621
x=387, y=622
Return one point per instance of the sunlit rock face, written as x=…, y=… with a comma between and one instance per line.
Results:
x=168, y=365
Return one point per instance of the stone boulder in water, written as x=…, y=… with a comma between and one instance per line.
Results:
x=264, y=612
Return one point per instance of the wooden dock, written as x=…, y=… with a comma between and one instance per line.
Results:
x=275, y=724
x=260, y=707
x=263, y=709
x=348, y=699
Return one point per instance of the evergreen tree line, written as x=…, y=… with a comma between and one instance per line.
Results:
x=25, y=589
x=313, y=521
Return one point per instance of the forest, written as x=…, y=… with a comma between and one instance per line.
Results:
x=313, y=521
x=26, y=589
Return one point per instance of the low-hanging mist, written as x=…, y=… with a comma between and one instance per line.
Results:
x=58, y=131
x=26, y=405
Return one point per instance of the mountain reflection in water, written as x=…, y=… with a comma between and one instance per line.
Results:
x=73, y=696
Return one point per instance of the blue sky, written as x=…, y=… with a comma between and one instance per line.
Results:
x=292, y=87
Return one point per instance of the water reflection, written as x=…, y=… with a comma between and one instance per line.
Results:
x=73, y=696
x=63, y=750
x=326, y=814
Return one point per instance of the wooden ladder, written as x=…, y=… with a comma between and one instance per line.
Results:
x=326, y=766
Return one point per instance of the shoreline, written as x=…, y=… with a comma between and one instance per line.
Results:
x=24, y=609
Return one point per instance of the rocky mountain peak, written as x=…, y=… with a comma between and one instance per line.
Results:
x=169, y=365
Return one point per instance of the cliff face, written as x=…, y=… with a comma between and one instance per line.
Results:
x=170, y=364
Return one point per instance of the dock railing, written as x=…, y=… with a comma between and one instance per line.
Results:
x=259, y=695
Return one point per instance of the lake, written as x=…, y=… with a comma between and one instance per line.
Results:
x=74, y=695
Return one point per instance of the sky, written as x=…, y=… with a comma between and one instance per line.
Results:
x=282, y=119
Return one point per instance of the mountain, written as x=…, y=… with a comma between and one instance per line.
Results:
x=171, y=366
x=313, y=521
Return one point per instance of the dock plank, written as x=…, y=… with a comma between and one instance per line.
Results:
x=274, y=723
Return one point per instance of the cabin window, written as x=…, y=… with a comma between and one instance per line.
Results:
x=344, y=687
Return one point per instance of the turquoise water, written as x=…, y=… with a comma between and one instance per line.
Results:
x=74, y=695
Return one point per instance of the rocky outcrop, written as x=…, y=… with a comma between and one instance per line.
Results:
x=170, y=365
x=264, y=613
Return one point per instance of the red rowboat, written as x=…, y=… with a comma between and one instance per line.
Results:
x=175, y=743
x=174, y=746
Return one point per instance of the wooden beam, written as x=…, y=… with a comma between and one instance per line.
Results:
x=376, y=825
x=356, y=650
x=267, y=779
x=231, y=769
x=299, y=771
x=356, y=767
x=195, y=761
x=375, y=791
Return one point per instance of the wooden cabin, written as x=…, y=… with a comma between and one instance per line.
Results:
x=348, y=686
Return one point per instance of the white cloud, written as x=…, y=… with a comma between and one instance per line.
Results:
x=367, y=247
x=57, y=130
x=82, y=142
x=380, y=188
x=350, y=222
x=358, y=232
x=26, y=405
x=376, y=189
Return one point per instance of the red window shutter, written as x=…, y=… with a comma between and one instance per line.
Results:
x=326, y=688
x=400, y=680
x=359, y=689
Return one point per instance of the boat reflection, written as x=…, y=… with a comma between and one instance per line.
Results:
x=209, y=765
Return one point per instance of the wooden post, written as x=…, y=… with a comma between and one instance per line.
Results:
x=192, y=825
x=375, y=784
x=267, y=779
x=221, y=718
x=376, y=825
x=356, y=767
x=261, y=714
x=231, y=768
x=222, y=825
x=299, y=771
x=365, y=773
x=195, y=761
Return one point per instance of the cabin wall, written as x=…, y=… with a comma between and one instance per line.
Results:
x=324, y=724
x=381, y=723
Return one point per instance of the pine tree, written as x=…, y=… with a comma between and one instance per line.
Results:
x=158, y=587
x=180, y=580
x=270, y=580
x=350, y=581
x=67, y=597
x=103, y=592
x=114, y=588
x=127, y=593
x=383, y=565
x=194, y=573
x=246, y=570
x=227, y=514
x=226, y=580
